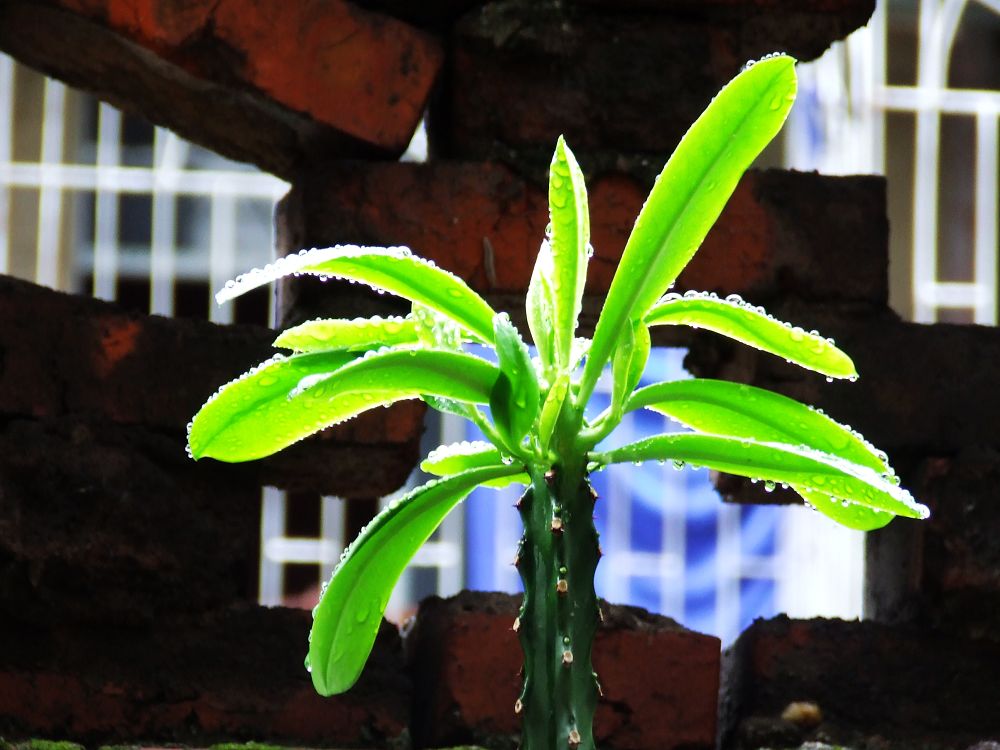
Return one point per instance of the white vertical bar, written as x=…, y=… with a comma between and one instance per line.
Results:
x=331, y=520
x=50, y=197
x=6, y=154
x=877, y=40
x=451, y=574
x=986, y=218
x=221, y=255
x=728, y=549
x=938, y=24
x=673, y=543
x=451, y=577
x=106, y=204
x=272, y=526
x=162, y=270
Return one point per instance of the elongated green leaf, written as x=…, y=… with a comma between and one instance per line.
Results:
x=389, y=269
x=550, y=410
x=743, y=411
x=350, y=610
x=352, y=335
x=851, y=515
x=628, y=363
x=540, y=307
x=436, y=331
x=240, y=422
x=569, y=218
x=459, y=457
x=774, y=462
x=738, y=320
x=514, y=401
x=287, y=399
x=690, y=193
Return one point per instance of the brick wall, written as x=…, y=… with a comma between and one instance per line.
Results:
x=126, y=571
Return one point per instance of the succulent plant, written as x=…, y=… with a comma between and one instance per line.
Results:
x=538, y=430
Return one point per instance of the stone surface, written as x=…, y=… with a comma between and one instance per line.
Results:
x=234, y=675
x=659, y=680
x=777, y=238
x=877, y=686
x=277, y=84
x=522, y=73
x=63, y=355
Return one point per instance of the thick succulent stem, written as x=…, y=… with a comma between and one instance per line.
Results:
x=557, y=559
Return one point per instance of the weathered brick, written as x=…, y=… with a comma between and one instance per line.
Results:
x=64, y=355
x=102, y=523
x=234, y=675
x=659, y=680
x=944, y=573
x=523, y=73
x=278, y=84
x=875, y=686
x=783, y=234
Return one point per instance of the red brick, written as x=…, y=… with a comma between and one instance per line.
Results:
x=629, y=81
x=876, y=686
x=782, y=234
x=660, y=681
x=65, y=355
x=279, y=84
x=234, y=675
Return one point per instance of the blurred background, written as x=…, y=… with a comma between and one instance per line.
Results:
x=97, y=202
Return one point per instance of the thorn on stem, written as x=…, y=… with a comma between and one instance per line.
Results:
x=562, y=586
x=517, y=624
x=518, y=706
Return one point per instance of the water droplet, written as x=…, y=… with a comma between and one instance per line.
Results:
x=768, y=486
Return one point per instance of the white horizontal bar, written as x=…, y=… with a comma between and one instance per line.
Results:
x=284, y=549
x=142, y=180
x=635, y=563
x=953, y=294
x=950, y=101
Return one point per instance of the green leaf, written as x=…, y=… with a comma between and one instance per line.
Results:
x=389, y=269
x=540, y=307
x=774, y=462
x=628, y=363
x=515, y=398
x=738, y=320
x=286, y=399
x=435, y=330
x=690, y=194
x=743, y=411
x=459, y=457
x=550, y=410
x=569, y=219
x=359, y=334
x=350, y=610
x=851, y=515
x=246, y=418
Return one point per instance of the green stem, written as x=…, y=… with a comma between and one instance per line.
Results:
x=557, y=560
